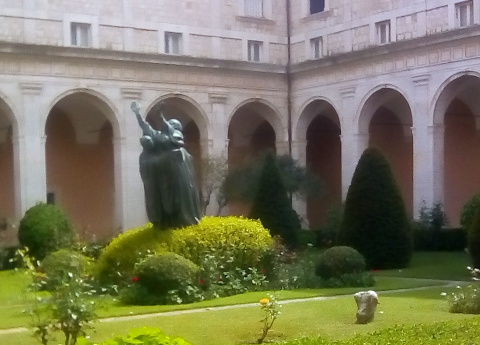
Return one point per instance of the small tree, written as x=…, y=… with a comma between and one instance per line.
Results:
x=213, y=173
x=375, y=221
x=242, y=183
x=272, y=204
x=474, y=238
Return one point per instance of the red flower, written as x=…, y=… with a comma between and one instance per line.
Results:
x=201, y=281
x=134, y=279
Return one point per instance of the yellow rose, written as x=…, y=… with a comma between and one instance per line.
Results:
x=264, y=301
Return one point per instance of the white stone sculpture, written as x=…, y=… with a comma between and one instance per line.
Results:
x=366, y=305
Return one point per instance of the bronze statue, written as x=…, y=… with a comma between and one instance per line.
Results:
x=171, y=194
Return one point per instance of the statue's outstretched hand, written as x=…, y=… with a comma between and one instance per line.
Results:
x=135, y=106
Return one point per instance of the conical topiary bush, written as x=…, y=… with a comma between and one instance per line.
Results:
x=272, y=204
x=375, y=221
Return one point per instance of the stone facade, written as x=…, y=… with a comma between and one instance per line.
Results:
x=400, y=75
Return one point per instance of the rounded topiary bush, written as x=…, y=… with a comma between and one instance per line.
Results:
x=162, y=279
x=340, y=260
x=246, y=243
x=44, y=229
x=60, y=266
x=468, y=211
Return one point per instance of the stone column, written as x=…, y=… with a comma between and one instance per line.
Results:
x=353, y=146
x=299, y=153
x=29, y=152
x=281, y=148
x=129, y=195
x=215, y=147
x=428, y=143
x=353, y=142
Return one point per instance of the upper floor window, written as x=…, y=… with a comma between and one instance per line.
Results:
x=316, y=47
x=317, y=6
x=254, y=8
x=173, y=43
x=464, y=14
x=80, y=34
x=383, y=32
x=254, y=50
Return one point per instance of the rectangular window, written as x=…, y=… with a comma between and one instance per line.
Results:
x=80, y=34
x=173, y=43
x=51, y=198
x=254, y=8
x=317, y=6
x=464, y=14
x=254, y=50
x=383, y=32
x=316, y=46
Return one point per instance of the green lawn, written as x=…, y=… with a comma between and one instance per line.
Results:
x=434, y=265
x=331, y=318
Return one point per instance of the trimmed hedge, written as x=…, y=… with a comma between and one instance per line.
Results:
x=246, y=241
x=446, y=239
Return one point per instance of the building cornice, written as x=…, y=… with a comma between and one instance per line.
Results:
x=67, y=53
x=393, y=48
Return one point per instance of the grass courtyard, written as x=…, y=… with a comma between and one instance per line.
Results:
x=410, y=296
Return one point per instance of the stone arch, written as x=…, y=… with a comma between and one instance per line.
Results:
x=373, y=99
x=254, y=127
x=456, y=113
x=307, y=115
x=385, y=117
x=319, y=127
x=189, y=109
x=101, y=102
x=455, y=84
x=267, y=111
x=193, y=118
x=80, y=127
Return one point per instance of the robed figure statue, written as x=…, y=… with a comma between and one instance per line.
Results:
x=172, y=197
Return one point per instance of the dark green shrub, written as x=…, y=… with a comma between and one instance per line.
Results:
x=58, y=267
x=337, y=261
x=244, y=242
x=162, y=279
x=474, y=238
x=272, y=204
x=44, y=229
x=445, y=239
x=140, y=336
x=375, y=221
x=468, y=211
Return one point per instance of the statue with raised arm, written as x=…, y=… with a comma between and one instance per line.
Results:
x=172, y=197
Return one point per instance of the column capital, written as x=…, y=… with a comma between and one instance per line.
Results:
x=31, y=88
x=421, y=80
x=348, y=92
x=131, y=93
x=218, y=98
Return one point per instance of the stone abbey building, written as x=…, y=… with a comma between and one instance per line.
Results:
x=320, y=79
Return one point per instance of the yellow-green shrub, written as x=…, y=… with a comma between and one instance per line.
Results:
x=245, y=241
